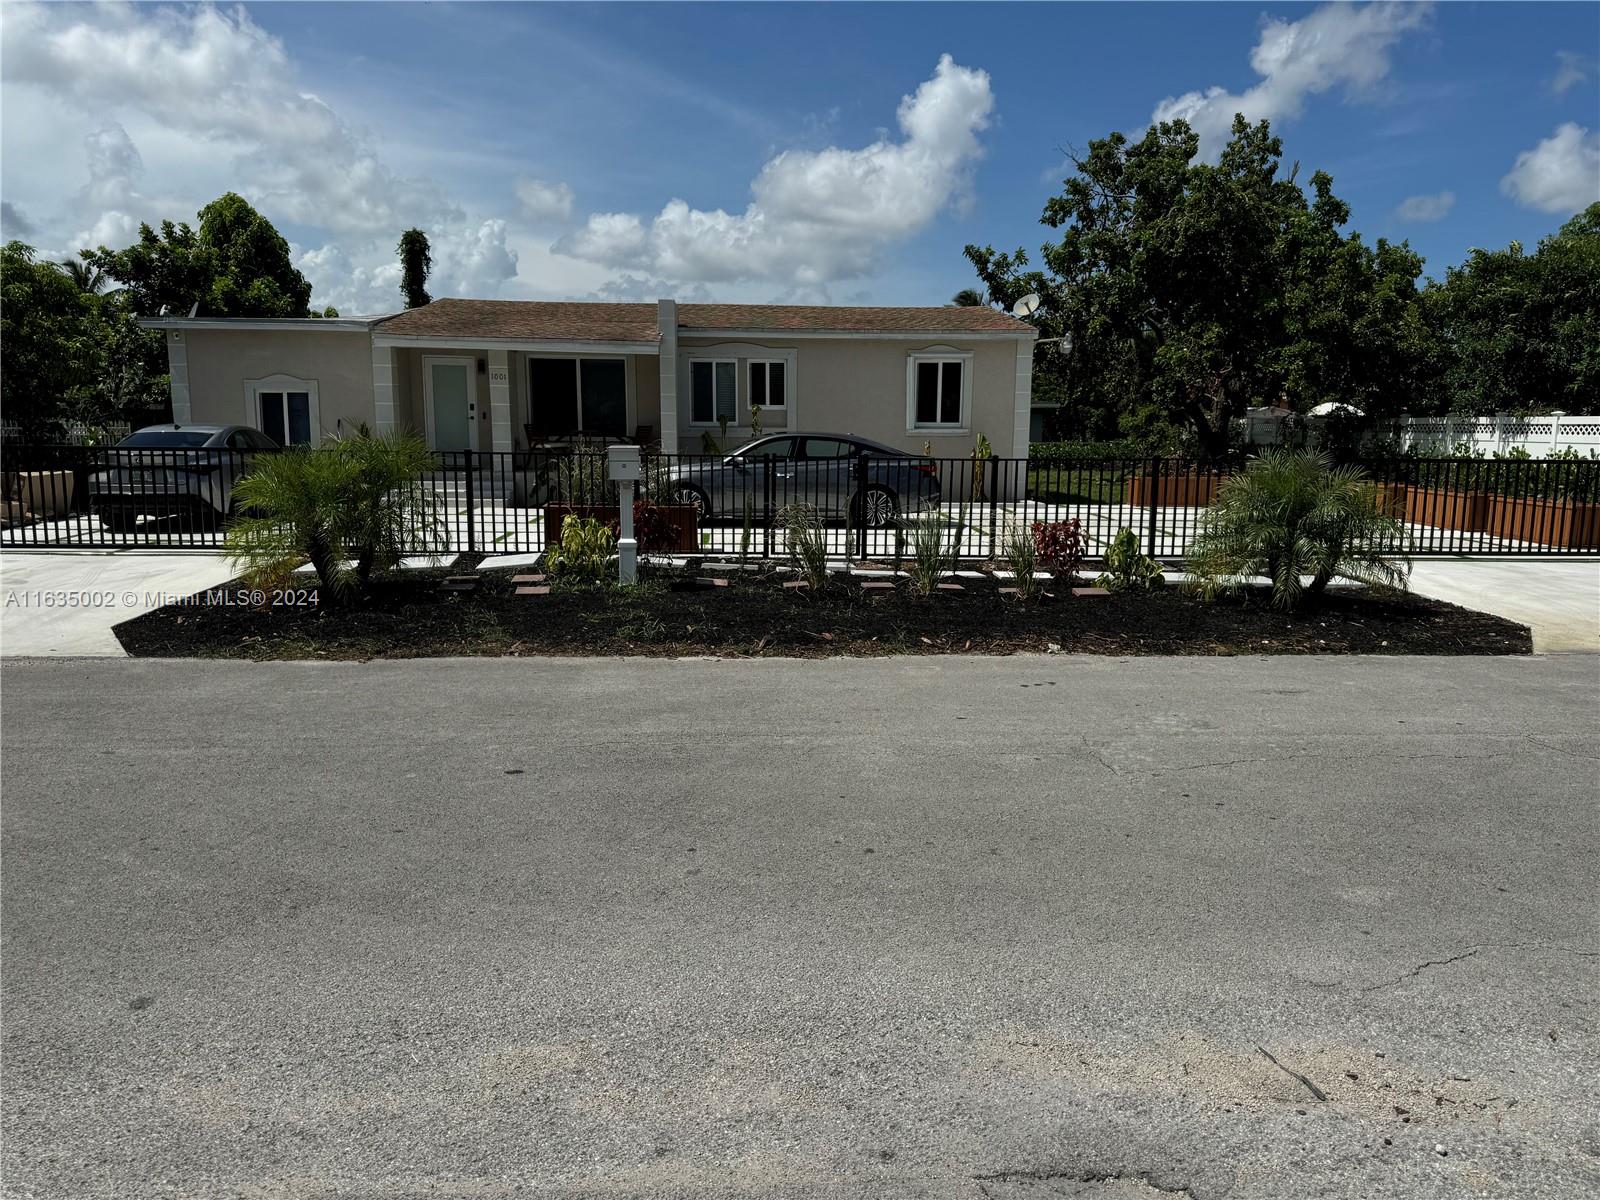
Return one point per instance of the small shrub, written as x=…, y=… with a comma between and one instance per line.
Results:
x=1128, y=569
x=808, y=543
x=1059, y=546
x=1021, y=561
x=652, y=528
x=587, y=551
x=935, y=549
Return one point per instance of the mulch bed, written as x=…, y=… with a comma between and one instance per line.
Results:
x=409, y=616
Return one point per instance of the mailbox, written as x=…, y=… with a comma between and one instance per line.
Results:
x=625, y=464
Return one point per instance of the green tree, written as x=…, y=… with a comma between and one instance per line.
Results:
x=1520, y=332
x=87, y=277
x=1191, y=290
x=416, y=260
x=967, y=298
x=235, y=265
x=45, y=327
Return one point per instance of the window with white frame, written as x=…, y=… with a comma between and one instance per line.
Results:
x=937, y=387
x=285, y=409
x=713, y=391
x=767, y=383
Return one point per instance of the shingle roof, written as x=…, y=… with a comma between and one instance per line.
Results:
x=527, y=320
x=541, y=320
x=831, y=319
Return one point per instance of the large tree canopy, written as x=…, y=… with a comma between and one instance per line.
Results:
x=70, y=353
x=1189, y=290
x=235, y=265
x=1520, y=332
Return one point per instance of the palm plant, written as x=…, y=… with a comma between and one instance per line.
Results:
x=85, y=276
x=1292, y=515
x=968, y=298
x=392, y=510
x=295, y=505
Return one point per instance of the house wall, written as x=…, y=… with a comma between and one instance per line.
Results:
x=220, y=362
x=858, y=385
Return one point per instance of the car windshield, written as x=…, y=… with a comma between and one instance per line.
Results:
x=171, y=439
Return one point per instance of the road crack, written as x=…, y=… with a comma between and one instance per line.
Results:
x=1472, y=952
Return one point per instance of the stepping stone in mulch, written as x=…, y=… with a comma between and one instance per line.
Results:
x=796, y=584
x=877, y=587
x=533, y=591
x=459, y=583
x=527, y=579
x=697, y=585
x=1008, y=591
x=951, y=587
x=1091, y=591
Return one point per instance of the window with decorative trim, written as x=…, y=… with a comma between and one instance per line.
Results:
x=767, y=383
x=938, y=390
x=285, y=409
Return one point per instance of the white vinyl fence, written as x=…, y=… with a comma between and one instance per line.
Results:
x=1540, y=436
x=1443, y=437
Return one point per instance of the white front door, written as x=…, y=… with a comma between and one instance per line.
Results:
x=450, y=387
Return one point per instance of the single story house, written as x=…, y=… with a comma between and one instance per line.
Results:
x=493, y=374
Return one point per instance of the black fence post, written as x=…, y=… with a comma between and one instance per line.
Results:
x=858, y=510
x=994, y=507
x=472, y=517
x=1152, y=487
x=769, y=488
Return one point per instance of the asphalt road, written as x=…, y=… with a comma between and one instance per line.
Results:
x=940, y=927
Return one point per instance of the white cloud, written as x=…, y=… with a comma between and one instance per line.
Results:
x=815, y=216
x=1571, y=70
x=221, y=102
x=543, y=201
x=1337, y=45
x=1560, y=175
x=1431, y=207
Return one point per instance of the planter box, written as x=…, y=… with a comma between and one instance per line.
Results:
x=683, y=518
x=1392, y=500
x=46, y=493
x=1447, y=508
x=1189, y=490
x=1572, y=524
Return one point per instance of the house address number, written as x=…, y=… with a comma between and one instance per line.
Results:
x=499, y=375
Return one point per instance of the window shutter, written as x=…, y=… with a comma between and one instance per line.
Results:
x=727, y=389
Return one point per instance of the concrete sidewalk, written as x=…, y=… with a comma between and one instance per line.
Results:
x=1559, y=601
x=64, y=602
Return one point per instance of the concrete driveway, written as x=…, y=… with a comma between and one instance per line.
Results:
x=975, y=928
x=1558, y=599
x=64, y=602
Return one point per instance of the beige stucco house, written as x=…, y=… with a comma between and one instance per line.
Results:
x=495, y=374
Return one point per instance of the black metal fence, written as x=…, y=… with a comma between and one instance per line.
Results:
x=870, y=507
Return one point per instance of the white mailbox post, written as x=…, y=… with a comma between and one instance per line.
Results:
x=626, y=470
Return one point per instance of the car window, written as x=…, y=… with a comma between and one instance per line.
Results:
x=262, y=441
x=830, y=448
x=776, y=448
x=239, y=440
x=171, y=439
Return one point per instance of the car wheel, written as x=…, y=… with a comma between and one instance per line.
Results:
x=117, y=520
x=877, y=507
x=687, y=493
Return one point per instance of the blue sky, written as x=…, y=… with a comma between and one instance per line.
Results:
x=760, y=152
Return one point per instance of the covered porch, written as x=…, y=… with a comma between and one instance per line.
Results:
x=484, y=395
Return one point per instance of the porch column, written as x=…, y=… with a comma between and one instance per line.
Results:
x=667, y=326
x=504, y=441
x=383, y=375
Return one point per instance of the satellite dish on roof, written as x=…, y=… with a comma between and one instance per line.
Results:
x=1026, y=306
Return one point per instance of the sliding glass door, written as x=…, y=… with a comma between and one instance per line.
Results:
x=567, y=396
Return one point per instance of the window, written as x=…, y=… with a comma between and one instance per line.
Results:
x=766, y=384
x=713, y=391
x=937, y=389
x=577, y=395
x=286, y=416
